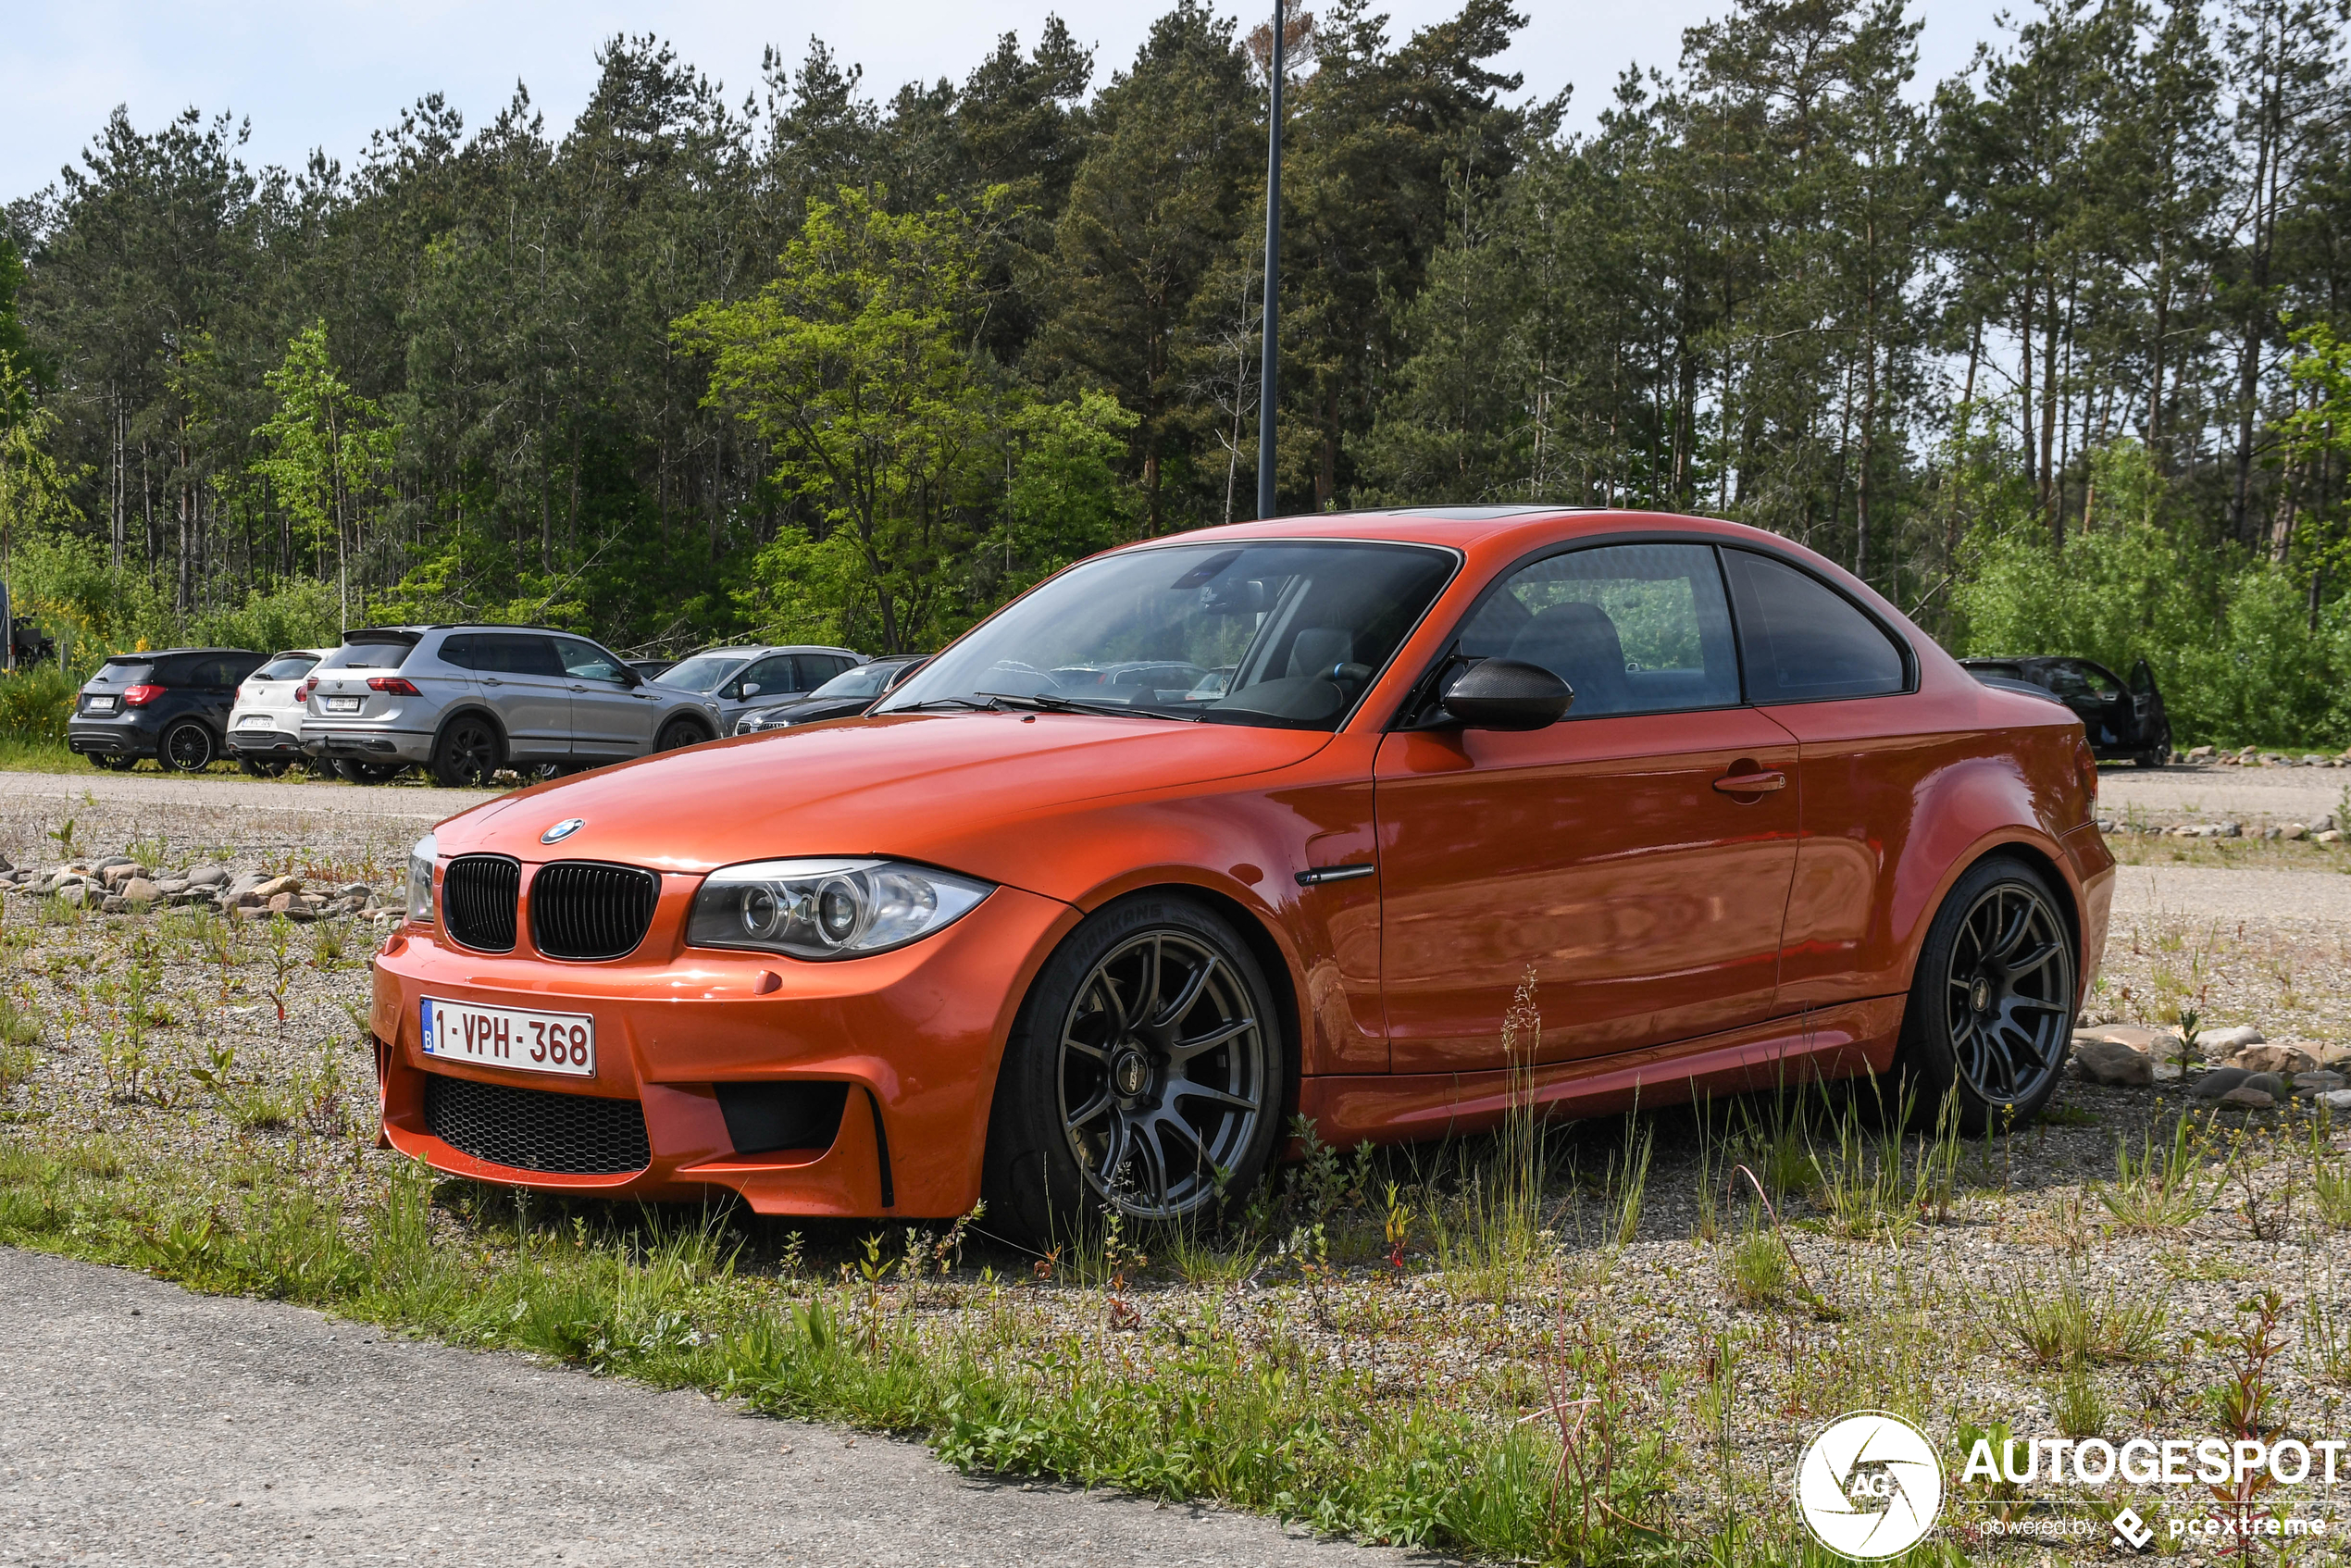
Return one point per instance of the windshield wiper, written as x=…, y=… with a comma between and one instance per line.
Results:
x=1053, y=702
x=964, y=704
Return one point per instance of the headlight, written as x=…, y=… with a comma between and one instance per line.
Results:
x=828, y=908
x=753, y=723
x=420, y=863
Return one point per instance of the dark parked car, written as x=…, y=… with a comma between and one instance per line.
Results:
x=2122, y=719
x=845, y=695
x=172, y=705
x=651, y=668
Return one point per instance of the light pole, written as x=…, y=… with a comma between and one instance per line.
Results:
x=1269, y=374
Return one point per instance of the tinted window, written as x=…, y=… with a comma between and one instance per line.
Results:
x=585, y=661
x=860, y=680
x=291, y=666
x=367, y=655
x=1803, y=641
x=213, y=672
x=501, y=653
x=126, y=672
x=1634, y=629
x=704, y=672
x=772, y=675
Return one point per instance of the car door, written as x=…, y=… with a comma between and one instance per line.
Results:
x=2151, y=728
x=525, y=684
x=612, y=715
x=1832, y=674
x=1634, y=858
x=762, y=683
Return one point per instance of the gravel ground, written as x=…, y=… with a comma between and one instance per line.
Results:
x=141, y=1424
x=2196, y=793
x=1907, y=1299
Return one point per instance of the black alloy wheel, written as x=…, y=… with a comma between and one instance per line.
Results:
x=187, y=747
x=680, y=732
x=113, y=762
x=468, y=753
x=1145, y=1076
x=1990, y=1010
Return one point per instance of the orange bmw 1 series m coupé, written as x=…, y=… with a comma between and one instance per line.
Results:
x=1256, y=822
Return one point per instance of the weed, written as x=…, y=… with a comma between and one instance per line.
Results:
x=2159, y=1189
x=2080, y=1410
x=2072, y=1327
x=1758, y=1272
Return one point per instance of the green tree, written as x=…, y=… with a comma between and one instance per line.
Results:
x=325, y=453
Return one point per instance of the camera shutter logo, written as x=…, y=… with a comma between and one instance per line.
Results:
x=1868, y=1486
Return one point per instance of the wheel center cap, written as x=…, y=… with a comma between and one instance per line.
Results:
x=1130, y=1072
x=1979, y=996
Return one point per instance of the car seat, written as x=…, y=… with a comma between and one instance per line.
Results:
x=1578, y=642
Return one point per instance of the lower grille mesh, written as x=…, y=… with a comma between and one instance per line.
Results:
x=531, y=1129
x=477, y=900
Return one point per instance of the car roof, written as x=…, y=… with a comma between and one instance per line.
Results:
x=170, y=653
x=1468, y=527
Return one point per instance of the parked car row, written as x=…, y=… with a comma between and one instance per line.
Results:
x=460, y=702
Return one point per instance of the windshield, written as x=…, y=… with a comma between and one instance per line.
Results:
x=702, y=672
x=860, y=680
x=127, y=671
x=1285, y=634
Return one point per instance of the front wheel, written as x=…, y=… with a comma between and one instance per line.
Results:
x=1990, y=1010
x=187, y=747
x=466, y=753
x=1145, y=1074
x=113, y=762
x=680, y=732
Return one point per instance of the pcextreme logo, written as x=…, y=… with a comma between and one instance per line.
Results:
x=1868, y=1486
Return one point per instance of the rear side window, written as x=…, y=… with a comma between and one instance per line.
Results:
x=291, y=667
x=501, y=653
x=367, y=655
x=1802, y=640
x=1632, y=628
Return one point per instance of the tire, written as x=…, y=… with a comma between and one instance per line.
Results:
x=261, y=770
x=467, y=753
x=680, y=732
x=1088, y=1107
x=367, y=772
x=1990, y=1010
x=2152, y=759
x=113, y=762
x=188, y=746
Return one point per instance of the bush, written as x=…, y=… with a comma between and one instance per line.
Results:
x=35, y=704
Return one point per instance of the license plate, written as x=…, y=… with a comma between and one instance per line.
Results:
x=257, y=721
x=102, y=704
x=342, y=704
x=515, y=1038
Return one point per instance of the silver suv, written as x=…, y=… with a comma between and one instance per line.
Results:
x=466, y=700
x=742, y=678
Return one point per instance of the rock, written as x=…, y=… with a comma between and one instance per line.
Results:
x=2245, y=1097
x=270, y=891
x=140, y=892
x=2218, y=1082
x=277, y=904
x=2336, y=1100
x=2229, y=830
x=2220, y=1044
x=2335, y=1058
x=2284, y=1059
x=167, y=886
x=354, y=891
x=2161, y=1045
x=2327, y=836
x=2295, y=830
x=2325, y=823
x=2199, y=754
x=2108, y=1062
x=2314, y=760
x=2271, y=1084
x=245, y=882
x=188, y=895
x=2317, y=1083
x=114, y=903
x=208, y=877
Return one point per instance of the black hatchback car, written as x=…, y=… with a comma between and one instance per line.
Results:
x=2121, y=719
x=172, y=705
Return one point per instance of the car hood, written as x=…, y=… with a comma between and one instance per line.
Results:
x=965, y=791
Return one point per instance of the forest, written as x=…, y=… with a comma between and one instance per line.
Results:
x=2054, y=353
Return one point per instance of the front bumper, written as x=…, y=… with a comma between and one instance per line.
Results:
x=366, y=744
x=916, y=1035
x=109, y=737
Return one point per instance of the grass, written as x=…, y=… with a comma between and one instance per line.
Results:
x=2161, y=1188
x=2072, y=1327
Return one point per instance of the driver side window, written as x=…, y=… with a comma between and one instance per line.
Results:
x=1632, y=628
x=585, y=661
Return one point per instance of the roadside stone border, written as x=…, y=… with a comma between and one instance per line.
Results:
x=2325, y=831
x=2236, y=1067
x=118, y=885
x=2253, y=756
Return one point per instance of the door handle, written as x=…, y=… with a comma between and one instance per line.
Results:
x=578, y=687
x=1751, y=783
x=491, y=680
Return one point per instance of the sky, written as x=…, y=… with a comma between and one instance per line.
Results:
x=323, y=73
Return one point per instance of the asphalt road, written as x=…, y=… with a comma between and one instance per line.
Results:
x=141, y=1424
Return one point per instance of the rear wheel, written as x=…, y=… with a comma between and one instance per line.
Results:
x=468, y=753
x=187, y=747
x=680, y=732
x=1145, y=1075
x=1991, y=1009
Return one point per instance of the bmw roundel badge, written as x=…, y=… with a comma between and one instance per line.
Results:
x=562, y=829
